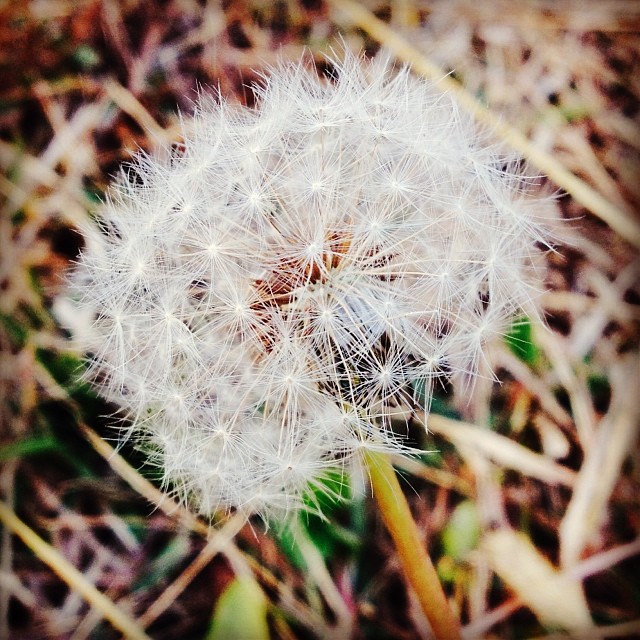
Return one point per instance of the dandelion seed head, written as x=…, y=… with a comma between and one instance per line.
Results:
x=267, y=297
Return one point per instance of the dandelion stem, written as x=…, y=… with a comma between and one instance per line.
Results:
x=413, y=556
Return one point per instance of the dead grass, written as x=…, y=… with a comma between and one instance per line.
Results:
x=550, y=490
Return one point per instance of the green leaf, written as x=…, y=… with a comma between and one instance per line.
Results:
x=86, y=57
x=16, y=331
x=65, y=368
x=328, y=492
x=165, y=564
x=28, y=447
x=520, y=342
x=285, y=534
x=328, y=497
x=462, y=532
x=240, y=613
x=329, y=537
x=327, y=500
x=572, y=114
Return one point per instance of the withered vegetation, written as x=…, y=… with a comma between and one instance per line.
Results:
x=532, y=515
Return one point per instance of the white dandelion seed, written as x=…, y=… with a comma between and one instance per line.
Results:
x=266, y=300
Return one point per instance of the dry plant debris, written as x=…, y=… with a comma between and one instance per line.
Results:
x=534, y=487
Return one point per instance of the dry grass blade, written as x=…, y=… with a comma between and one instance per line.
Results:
x=605, y=560
x=584, y=418
x=556, y=599
x=616, y=218
x=141, y=484
x=626, y=629
x=318, y=569
x=126, y=101
x=7, y=480
x=502, y=357
x=76, y=580
x=479, y=628
x=502, y=450
x=85, y=85
x=175, y=510
x=616, y=435
x=218, y=543
x=438, y=477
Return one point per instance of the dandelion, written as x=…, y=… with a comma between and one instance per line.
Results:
x=269, y=299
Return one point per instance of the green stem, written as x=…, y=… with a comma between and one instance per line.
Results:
x=413, y=556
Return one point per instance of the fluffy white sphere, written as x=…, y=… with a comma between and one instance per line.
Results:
x=269, y=297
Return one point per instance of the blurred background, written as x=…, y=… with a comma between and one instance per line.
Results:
x=532, y=515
